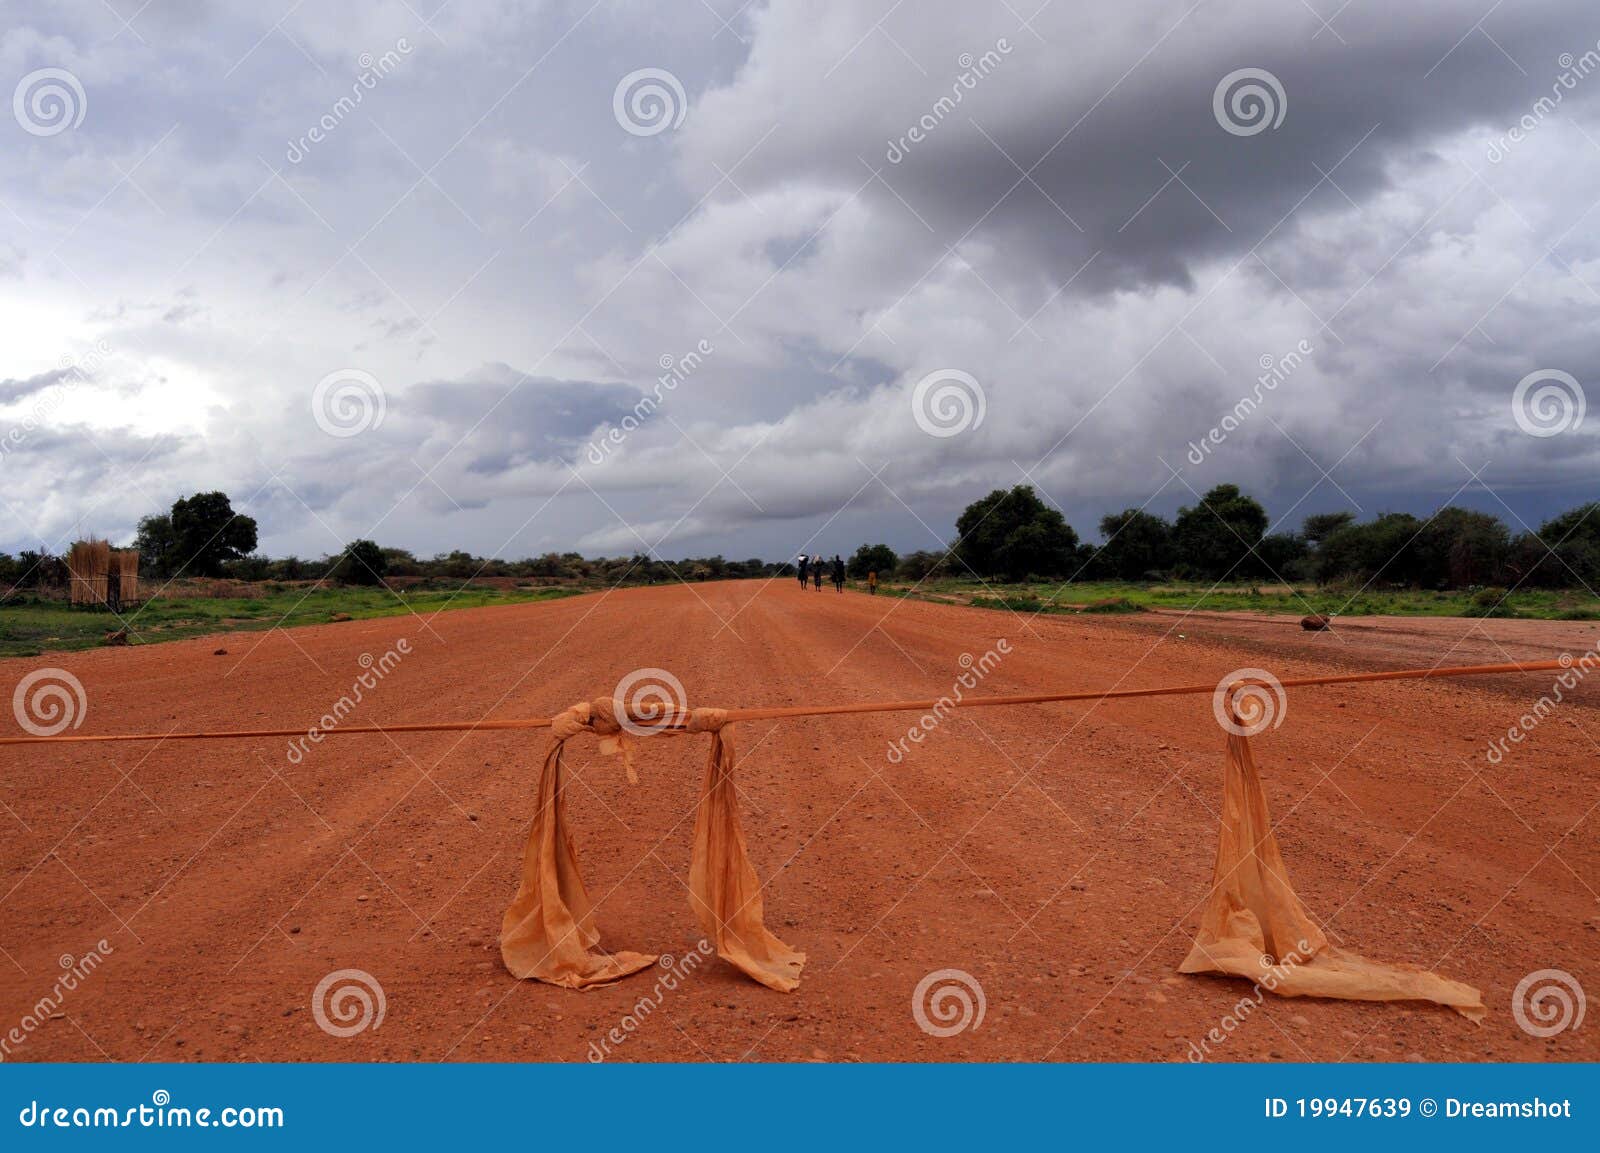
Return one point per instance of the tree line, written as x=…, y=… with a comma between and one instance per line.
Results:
x=1009, y=535
x=1012, y=535
x=202, y=536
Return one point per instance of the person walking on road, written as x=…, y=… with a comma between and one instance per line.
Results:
x=816, y=572
x=872, y=582
x=801, y=564
x=838, y=573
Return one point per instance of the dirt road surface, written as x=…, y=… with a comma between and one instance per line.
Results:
x=1056, y=854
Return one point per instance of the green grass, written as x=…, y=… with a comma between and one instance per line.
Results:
x=1116, y=597
x=30, y=626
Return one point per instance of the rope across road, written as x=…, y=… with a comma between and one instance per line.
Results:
x=678, y=720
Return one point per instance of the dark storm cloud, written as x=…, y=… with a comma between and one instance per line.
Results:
x=12, y=391
x=508, y=419
x=1138, y=168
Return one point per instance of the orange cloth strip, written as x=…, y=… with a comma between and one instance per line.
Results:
x=548, y=933
x=1255, y=927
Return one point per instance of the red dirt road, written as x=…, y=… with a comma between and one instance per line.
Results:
x=1056, y=853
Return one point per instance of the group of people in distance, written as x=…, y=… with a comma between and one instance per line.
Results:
x=811, y=569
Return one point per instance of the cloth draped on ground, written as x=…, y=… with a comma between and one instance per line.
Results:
x=1254, y=925
x=548, y=932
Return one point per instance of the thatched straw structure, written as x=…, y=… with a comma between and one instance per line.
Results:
x=102, y=577
x=89, y=570
x=127, y=569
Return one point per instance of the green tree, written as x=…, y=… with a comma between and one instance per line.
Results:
x=1284, y=555
x=1137, y=544
x=870, y=558
x=919, y=565
x=1574, y=536
x=362, y=563
x=207, y=533
x=1214, y=538
x=158, y=547
x=1014, y=535
x=1318, y=527
x=1459, y=547
x=255, y=567
x=1381, y=549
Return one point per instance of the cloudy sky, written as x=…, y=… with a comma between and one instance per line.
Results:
x=754, y=279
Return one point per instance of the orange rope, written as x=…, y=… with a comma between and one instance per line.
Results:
x=678, y=723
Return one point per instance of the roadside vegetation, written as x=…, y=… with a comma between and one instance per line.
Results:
x=31, y=624
x=1110, y=597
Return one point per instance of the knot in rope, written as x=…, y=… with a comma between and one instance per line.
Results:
x=706, y=720
x=600, y=717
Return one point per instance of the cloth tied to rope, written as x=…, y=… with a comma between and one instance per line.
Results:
x=1254, y=925
x=548, y=932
